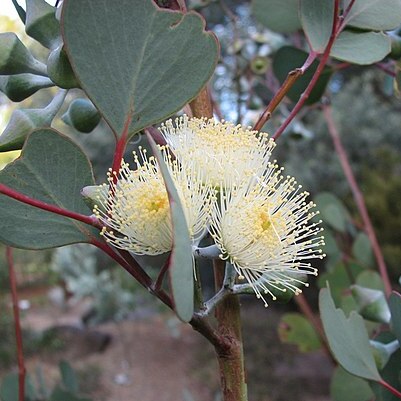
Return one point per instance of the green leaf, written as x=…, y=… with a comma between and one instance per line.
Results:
x=317, y=22
x=68, y=377
x=391, y=374
x=362, y=250
x=277, y=15
x=59, y=394
x=180, y=263
x=347, y=387
x=151, y=61
x=286, y=59
x=19, y=87
x=15, y=58
x=9, y=388
x=395, y=309
x=361, y=47
x=23, y=121
x=41, y=23
x=51, y=169
x=339, y=279
x=375, y=15
x=348, y=339
x=370, y=279
x=332, y=211
x=295, y=329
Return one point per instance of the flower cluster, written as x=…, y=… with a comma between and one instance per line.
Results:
x=259, y=219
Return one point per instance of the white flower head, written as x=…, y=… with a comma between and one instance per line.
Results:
x=228, y=154
x=135, y=211
x=265, y=231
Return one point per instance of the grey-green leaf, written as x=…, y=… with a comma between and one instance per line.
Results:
x=332, y=211
x=395, y=309
x=41, y=23
x=277, y=15
x=347, y=387
x=51, y=169
x=180, y=264
x=375, y=15
x=135, y=61
x=68, y=377
x=362, y=250
x=361, y=47
x=348, y=339
x=317, y=22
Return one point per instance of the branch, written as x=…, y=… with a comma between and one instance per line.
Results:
x=134, y=270
x=90, y=220
x=390, y=388
x=358, y=197
x=18, y=333
x=335, y=31
x=292, y=77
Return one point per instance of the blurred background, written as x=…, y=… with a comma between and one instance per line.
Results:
x=115, y=340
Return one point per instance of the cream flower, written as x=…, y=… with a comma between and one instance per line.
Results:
x=228, y=154
x=264, y=230
x=136, y=212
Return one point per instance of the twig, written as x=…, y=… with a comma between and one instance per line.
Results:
x=135, y=271
x=208, y=252
x=90, y=220
x=390, y=388
x=278, y=97
x=159, y=281
x=335, y=31
x=18, y=333
x=358, y=197
x=384, y=68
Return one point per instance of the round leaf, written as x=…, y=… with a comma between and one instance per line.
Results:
x=317, y=22
x=277, y=15
x=362, y=250
x=361, y=47
x=348, y=339
x=51, y=169
x=137, y=62
x=347, y=387
x=376, y=15
x=295, y=329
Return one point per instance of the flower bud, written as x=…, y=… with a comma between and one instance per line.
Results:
x=82, y=115
x=15, y=58
x=372, y=304
x=21, y=86
x=59, y=69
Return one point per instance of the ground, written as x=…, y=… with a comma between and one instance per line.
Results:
x=155, y=357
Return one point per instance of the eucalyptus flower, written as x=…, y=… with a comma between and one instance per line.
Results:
x=135, y=209
x=229, y=155
x=264, y=230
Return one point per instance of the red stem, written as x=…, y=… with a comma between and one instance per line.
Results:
x=358, y=197
x=91, y=220
x=335, y=31
x=120, y=148
x=390, y=388
x=135, y=270
x=18, y=333
x=387, y=70
x=162, y=274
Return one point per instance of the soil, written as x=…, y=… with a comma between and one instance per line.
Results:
x=157, y=358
